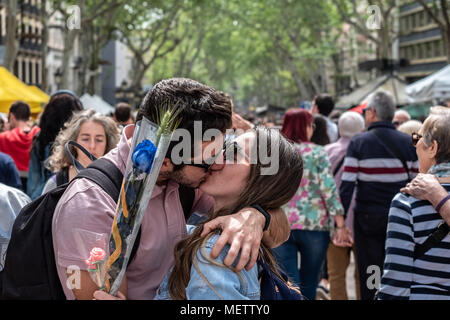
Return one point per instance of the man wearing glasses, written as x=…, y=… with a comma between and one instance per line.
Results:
x=86, y=207
x=379, y=162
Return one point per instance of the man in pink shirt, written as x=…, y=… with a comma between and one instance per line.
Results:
x=86, y=209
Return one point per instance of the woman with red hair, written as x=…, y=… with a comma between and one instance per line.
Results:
x=310, y=210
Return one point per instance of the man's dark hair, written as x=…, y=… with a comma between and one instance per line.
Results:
x=196, y=101
x=122, y=112
x=20, y=110
x=325, y=104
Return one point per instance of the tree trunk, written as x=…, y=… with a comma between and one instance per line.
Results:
x=139, y=74
x=69, y=39
x=44, y=40
x=12, y=44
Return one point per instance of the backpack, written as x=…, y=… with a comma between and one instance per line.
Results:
x=272, y=287
x=30, y=268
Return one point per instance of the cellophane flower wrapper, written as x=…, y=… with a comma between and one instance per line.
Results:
x=147, y=153
x=93, y=249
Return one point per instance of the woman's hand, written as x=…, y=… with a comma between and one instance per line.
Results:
x=425, y=187
x=343, y=237
x=102, y=295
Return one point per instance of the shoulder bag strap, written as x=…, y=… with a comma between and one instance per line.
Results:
x=78, y=166
x=339, y=166
x=436, y=237
x=393, y=149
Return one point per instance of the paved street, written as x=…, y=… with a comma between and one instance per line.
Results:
x=351, y=279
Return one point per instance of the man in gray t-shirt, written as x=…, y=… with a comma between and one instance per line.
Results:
x=12, y=200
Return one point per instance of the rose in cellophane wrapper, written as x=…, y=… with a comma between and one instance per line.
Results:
x=93, y=248
x=148, y=150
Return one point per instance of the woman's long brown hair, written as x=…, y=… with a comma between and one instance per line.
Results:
x=269, y=191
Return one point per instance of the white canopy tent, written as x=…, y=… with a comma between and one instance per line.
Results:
x=388, y=83
x=433, y=88
x=96, y=103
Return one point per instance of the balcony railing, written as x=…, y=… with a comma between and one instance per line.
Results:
x=31, y=45
x=29, y=8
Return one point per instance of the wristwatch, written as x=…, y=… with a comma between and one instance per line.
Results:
x=264, y=213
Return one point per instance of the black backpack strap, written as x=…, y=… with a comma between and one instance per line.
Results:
x=104, y=173
x=339, y=166
x=393, y=148
x=187, y=196
x=436, y=237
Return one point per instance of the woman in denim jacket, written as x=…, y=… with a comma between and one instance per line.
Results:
x=241, y=182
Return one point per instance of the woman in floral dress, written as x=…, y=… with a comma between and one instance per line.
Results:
x=313, y=211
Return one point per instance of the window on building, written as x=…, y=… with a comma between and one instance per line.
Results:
x=16, y=68
x=423, y=51
x=24, y=71
x=440, y=48
x=419, y=51
x=427, y=18
x=404, y=23
x=30, y=70
x=38, y=74
x=421, y=19
x=413, y=21
x=412, y=52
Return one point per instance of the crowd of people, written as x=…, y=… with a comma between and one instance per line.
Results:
x=372, y=185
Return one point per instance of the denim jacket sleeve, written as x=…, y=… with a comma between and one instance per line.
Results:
x=37, y=173
x=215, y=282
x=210, y=281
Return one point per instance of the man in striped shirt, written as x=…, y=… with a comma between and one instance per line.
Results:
x=378, y=162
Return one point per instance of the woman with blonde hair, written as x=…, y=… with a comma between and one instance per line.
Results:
x=409, y=127
x=97, y=133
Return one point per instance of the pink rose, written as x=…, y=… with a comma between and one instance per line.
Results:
x=97, y=254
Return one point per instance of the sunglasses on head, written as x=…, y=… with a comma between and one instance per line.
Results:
x=415, y=138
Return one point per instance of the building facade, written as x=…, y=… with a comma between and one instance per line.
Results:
x=28, y=64
x=420, y=42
